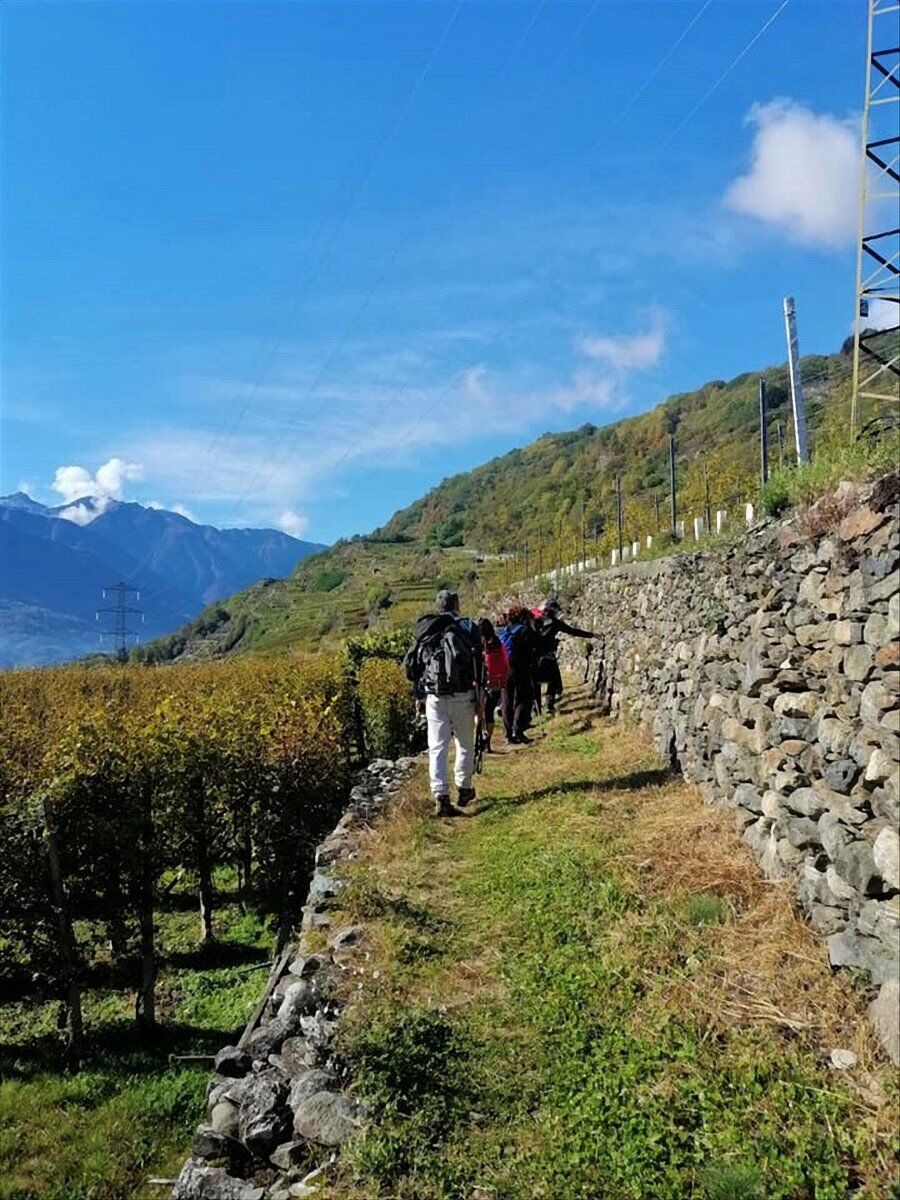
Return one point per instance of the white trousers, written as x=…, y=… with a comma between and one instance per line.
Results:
x=450, y=716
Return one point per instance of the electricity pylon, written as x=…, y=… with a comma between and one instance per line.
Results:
x=876, y=370
x=122, y=613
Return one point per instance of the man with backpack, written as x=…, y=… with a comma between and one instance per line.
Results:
x=548, y=626
x=446, y=668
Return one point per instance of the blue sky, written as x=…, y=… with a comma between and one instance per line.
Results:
x=293, y=263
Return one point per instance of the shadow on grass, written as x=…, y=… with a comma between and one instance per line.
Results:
x=117, y=1050
x=215, y=954
x=125, y=974
x=632, y=782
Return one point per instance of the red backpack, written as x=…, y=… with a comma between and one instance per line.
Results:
x=497, y=665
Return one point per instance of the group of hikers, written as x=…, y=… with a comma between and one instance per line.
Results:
x=463, y=671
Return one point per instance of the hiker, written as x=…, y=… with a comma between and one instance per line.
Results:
x=496, y=673
x=548, y=627
x=446, y=668
x=520, y=644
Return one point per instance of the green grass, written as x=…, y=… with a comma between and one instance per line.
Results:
x=836, y=459
x=130, y=1112
x=548, y=1044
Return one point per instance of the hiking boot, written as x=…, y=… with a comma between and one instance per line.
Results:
x=443, y=807
x=465, y=796
x=521, y=740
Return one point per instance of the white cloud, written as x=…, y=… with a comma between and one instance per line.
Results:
x=304, y=439
x=83, y=514
x=293, y=523
x=75, y=483
x=882, y=315
x=804, y=173
x=629, y=352
x=181, y=509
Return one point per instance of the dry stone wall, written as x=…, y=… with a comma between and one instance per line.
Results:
x=279, y=1106
x=768, y=671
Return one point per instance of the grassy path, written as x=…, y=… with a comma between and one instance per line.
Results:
x=586, y=989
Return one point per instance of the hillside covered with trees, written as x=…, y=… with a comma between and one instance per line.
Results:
x=550, y=500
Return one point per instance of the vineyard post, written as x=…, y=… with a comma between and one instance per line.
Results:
x=583, y=538
x=673, y=508
x=706, y=497
x=145, y=999
x=67, y=945
x=619, y=513
x=658, y=502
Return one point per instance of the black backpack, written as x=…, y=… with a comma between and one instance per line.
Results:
x=443, y=659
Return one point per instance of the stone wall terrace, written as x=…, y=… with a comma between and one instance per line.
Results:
x=768, y=671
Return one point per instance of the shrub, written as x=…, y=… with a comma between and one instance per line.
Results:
x=776, y=498
x=328, y=579
x=378, y=597
x=387, y=708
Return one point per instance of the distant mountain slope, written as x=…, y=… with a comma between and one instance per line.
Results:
x=469, y=524
x=52, y=570
x=521, y=495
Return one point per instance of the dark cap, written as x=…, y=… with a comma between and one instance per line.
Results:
x=447, y=601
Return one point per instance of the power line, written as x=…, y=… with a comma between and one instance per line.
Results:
x=715, y=87
x=650, y=78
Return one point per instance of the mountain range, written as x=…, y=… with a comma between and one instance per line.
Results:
x=55, y=563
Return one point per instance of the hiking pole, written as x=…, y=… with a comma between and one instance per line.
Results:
x=479, y=749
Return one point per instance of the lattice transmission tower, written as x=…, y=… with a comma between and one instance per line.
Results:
x=123, y=614
x=876, y=367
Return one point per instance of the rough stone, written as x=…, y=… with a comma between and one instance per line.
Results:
x=876, y=630
x=264, y=1117
x=299, y=998
x=876, y=699
x=859, y=522
x=884, y=1013
x=841, y=775
x=199, y=1182
x=232, y=1061
x=747, y=796
x=306, y=965
x=879, y=768
x=224, y=1118
x=807, y=802
x=346, y=937
x=848, y=949
x=847, y=633
x=290, y=1154
x=328, y=1118
x=858, y=662
x=295, y=1057
x=309, y=1084
x=843, y=1060
x=886, y=854
x=855, y=863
